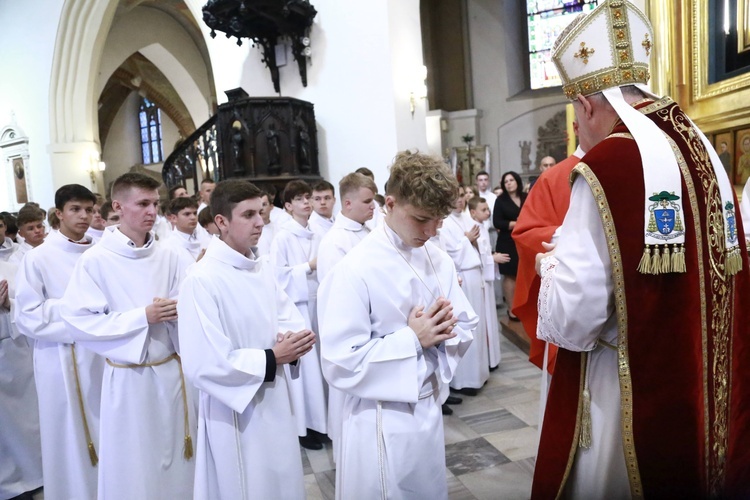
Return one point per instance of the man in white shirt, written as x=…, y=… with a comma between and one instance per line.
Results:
x=394, y=323
x=68, y=377
x=323, y=200
x=120, y=303
x=207, y=187
x=485, y=191
x=232, y=346
x=294, y=254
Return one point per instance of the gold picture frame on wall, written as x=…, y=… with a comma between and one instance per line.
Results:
x=743, y=26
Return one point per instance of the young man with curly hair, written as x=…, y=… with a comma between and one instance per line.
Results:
x=394, y=324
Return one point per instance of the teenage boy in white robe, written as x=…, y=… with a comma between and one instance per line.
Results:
x=270, y=227
x=480, y=212
x=459, y=236
x=323, y=200
x=184, y=241
x=357, y=192
x=120, y=303
x=31, y=229
x=98, y=223
x=207, y=187
x=20, y=447
x=7, y=246
x=111, y=218
x=294, y=255
x=68, y=376
x=236, y=327
x=394, y=323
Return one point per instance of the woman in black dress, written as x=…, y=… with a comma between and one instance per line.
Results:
x=507, y=207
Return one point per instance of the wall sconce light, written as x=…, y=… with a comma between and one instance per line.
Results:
x=94, y=166
x=421, y=93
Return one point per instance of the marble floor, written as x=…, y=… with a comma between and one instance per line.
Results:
x=490, y=440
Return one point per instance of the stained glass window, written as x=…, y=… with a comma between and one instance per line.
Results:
x=546, y=20
x=150, y=123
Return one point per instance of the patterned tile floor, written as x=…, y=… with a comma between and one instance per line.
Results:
x=490, y=440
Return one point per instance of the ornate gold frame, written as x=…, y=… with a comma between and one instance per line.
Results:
x=743, y=26
x=680, y=66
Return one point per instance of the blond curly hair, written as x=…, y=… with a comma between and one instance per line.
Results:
x=424, y=182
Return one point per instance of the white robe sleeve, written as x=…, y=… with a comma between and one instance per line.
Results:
x=376, y=368
x=576, y=294
x=35, y=315
x=457, y=245
x=121, y=335
x=331, y=252
x=291, y=277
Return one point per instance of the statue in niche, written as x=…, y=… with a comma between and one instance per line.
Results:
x=273, y=149
x=303, y=146
x=237, y=141
x=525, y=155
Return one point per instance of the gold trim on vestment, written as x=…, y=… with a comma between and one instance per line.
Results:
x=577, y=430
x=626, y=385
x=188, y=441
x=716, y=394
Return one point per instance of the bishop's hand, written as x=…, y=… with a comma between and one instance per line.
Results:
x=434, y=325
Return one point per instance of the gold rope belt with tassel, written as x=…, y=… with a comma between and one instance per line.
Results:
x=188, y=450
x=89, y=442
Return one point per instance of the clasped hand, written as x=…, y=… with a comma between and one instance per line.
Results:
x=291, y=346
x=161, y=310
x=434, y=325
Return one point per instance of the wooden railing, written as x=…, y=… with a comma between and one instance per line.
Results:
x=199, y=152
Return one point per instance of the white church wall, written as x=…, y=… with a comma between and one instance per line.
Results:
x=356, y=80
x=26, y=59
x=504, y=122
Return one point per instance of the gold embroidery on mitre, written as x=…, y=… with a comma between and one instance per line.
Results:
x=646, y=43
x=584, y=53
x=624, y=56
x=620, y=34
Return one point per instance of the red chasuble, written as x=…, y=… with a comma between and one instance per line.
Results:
x=542, y=213
x=683, y=338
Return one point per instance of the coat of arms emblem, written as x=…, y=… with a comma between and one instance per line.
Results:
x=665, y=220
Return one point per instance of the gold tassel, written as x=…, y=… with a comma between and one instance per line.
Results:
x=644, y=267
x=678, y=260
x=584, y=438
x=734, y=261
x=188, y=447
x=655, y=261
x=665, y=260
x=92, y=455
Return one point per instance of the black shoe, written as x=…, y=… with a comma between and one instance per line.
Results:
x=447, y=410
x=513, y=318
x=493, y=368
x=310, y=443
x=468, y=391
x=453, y=400
x=322, y=438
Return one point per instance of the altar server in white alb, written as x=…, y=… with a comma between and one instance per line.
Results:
x=323, y=200
x=357, y=193
x=68, y=376
x=459, y=236
x=236, y=327
x=120, y=303
x=30, y=222
x=7, y=246
x=294, y=254
x=394, y=322
x=479, y=210
x=98, y=223
x=357, y=206
x=270, y=228
x=182, y=213
x=20, y=449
